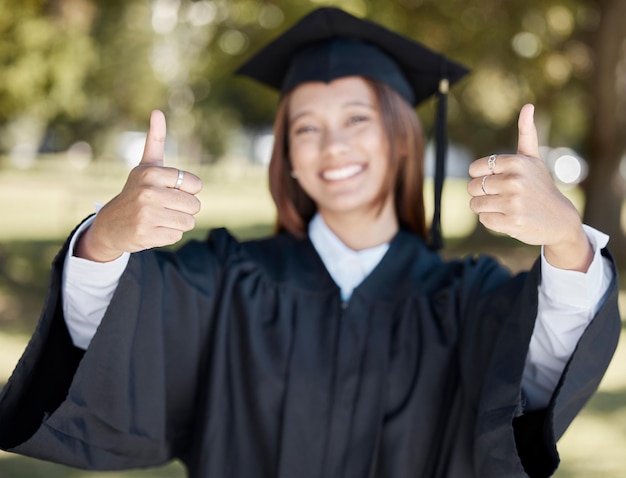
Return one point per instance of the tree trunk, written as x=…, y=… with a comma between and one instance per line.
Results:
x=604, y=187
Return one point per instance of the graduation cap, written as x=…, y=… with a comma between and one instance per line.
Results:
x=329, y=43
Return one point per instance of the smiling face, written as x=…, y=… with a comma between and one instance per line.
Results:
x=338, y=147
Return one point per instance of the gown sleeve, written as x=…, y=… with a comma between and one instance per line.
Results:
x=128, y=401
x=510, y=307
x=567, y=303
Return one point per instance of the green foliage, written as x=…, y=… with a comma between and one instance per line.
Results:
x=519, y=52
x=44, y=63
x=91, y=68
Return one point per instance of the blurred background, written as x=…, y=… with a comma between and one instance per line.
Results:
x=78, y=79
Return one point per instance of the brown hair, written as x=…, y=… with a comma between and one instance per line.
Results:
x=405, y=175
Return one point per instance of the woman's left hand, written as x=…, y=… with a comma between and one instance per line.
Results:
x=515, y=195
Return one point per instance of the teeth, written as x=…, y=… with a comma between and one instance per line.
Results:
x=342, y=173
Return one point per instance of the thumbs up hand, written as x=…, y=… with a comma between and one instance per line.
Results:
x=515, y=195
x=155, y=207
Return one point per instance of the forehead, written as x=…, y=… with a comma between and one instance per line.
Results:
x=339, y=92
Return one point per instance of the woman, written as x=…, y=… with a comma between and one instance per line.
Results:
x=343, y=346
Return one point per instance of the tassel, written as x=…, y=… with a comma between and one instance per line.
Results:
x=441, y=144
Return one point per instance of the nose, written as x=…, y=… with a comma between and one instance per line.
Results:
x=335, y=143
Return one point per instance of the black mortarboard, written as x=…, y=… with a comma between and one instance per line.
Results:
x=330, y=43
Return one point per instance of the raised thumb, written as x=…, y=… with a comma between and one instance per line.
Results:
x=528, y=142
x=155, y=140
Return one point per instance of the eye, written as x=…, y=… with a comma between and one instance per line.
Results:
x=356, y=119
x=304, y=129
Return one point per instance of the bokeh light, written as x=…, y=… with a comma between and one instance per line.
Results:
x=493, y=93
x=558, y=69
x=271, y=16
x=201, y=13
x=560, y=21
x=165, y=15
x=233, y=42
x=566, y=165
x=527, y=44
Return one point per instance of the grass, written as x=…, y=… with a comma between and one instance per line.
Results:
x=39, y=207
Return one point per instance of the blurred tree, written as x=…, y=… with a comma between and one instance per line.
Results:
x=88, y=69
x=45, y=56
x=122, y=86
x=607, y=133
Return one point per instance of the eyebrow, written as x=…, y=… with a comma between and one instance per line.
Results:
x=366, y=104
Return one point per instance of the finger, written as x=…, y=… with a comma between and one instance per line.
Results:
x=182, y=202
x=176, y=220
x=484, y=185
x=528, y=142
x=166, y=177
x=155, y=140
x=509, y=206
x=162, y=236
x=494, y=221
x=484, y=204
x=162, y=220
x=492, y=185
x=481, y=167
x=186, y=181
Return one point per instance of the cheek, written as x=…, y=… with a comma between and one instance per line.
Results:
x=377, y=146
x=302, y=155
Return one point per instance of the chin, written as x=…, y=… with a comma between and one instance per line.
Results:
x=350, y=207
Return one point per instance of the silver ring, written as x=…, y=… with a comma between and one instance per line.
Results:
x=491, y=163
x=179, y=181
x=482, y=185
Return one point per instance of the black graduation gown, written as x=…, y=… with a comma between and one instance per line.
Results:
x=240, y=360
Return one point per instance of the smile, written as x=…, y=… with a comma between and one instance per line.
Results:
x=346, y=172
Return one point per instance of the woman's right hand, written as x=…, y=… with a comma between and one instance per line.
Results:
x=149, y=212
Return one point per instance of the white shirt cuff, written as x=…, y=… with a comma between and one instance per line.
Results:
x=87, y=290
x=574, y=288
